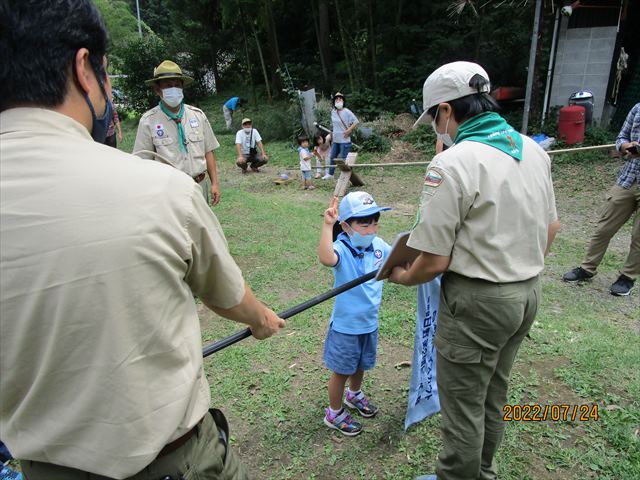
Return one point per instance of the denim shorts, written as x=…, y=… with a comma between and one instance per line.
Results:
x=345, y=353
x=306, y=174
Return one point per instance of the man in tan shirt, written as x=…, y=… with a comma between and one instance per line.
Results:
x=487, y=218
x=179, y=133
x=101, y=352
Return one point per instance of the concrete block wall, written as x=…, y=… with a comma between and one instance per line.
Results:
x=583, y=62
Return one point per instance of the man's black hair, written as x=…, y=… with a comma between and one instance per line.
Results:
x=371, y=218
x=471, y=105
x=38, y=43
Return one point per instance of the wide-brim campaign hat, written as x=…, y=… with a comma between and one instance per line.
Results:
x=450, y=82
x=358, y=205
x=166, y=70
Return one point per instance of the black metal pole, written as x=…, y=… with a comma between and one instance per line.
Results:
x=242, y=334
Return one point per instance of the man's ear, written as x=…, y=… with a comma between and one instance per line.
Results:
x=444, y=108
x=84, y=70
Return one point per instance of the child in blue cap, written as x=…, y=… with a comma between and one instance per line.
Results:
x=352, y=337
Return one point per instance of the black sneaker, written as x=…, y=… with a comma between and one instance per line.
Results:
x=622, y=286
x=578, y=274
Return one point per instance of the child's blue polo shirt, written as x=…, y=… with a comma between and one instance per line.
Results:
x=356, y=311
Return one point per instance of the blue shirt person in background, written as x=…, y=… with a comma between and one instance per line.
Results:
x=623, y=201
x=229, y=108
x=352, y=337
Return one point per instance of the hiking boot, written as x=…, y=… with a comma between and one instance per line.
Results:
x=343, y=423
x=622, y=287
x=578, y=274
x=360, y=403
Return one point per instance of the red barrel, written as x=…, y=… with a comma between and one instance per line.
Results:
x=571, y=124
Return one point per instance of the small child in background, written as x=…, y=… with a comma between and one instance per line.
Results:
x=352, y=337
x=305, y=162
x=321, y=151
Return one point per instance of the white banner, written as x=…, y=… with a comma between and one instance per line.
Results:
x=423, y=390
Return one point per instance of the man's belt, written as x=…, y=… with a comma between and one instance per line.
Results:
x=199, y=178
x=178, y=442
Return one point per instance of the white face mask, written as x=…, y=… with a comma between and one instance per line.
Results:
x=445, y=137
x=339, y=105
x=247, y=130
x=172, y=96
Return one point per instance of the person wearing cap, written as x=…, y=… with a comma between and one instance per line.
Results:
x=228, y=109
x=180, y=134
x=344, y=123
x=487, y=218
x=101, y=369
x=352, y=336
x=247, y=138
x=623, y=201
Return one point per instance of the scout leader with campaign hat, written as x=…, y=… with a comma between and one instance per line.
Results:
x=486, y=219
x=179, y=133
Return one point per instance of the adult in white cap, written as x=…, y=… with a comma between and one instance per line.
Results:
x=487, y=218
x=181, y=134
x=248, y=142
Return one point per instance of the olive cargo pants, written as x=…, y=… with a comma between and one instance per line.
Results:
x=621, y=204
x=480, y=328
x=205, y=456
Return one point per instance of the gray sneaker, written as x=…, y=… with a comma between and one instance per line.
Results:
x=622, y=287
x=578, y=274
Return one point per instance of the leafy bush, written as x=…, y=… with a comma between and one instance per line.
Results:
x=374, y=143
x=367, y=104
x=139, y=58
x=422, y=137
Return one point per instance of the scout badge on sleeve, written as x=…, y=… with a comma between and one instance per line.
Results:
x=423, y=390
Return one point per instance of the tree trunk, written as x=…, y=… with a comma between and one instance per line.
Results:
x=254, y=99
x=323, y=62
x=397, y=25
x=344, y=46
x=264, y=67
x=324, y=30
x=273, y=47
x=372, y=46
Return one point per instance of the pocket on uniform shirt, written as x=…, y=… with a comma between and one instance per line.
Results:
x=196, y=142
x=162, y=142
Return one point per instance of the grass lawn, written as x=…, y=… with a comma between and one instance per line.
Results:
x=583, y=348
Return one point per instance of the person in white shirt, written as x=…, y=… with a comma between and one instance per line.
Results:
x=246, y=141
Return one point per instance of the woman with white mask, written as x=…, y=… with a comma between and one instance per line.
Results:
x=344, y=123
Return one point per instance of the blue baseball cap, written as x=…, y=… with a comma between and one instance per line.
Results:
x=358, y=205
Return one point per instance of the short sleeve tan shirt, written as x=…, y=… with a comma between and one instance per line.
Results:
x=487, y=211
x=100, y=344
x=158, y=133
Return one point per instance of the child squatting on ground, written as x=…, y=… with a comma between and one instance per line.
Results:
x=305, y=162
x=352, y=337
x=321, y=151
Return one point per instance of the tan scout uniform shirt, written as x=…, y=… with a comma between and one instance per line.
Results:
x=487, y=211
x=158, y=133
x=100, y=345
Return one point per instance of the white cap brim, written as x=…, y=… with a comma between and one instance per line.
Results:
x=421, y=119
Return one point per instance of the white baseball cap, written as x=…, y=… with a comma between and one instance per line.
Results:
x=450, y=82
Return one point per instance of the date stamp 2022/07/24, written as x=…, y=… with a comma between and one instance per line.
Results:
x=555, y=412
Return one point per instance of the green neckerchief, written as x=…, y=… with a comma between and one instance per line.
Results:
x=178, y=119
x=491, y=129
